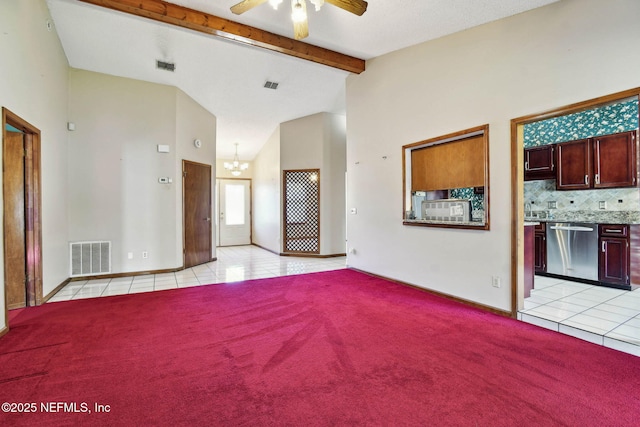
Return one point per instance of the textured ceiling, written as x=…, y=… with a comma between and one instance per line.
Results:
x=227, y=78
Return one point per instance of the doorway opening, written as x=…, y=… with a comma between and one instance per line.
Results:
x=517, y=183
x=22, y=212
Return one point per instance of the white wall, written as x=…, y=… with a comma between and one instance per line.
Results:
x=193, y=122
x=267, y=189
x=114, y=166
x=334, y=168
x=33, y=85
x=549, y=57
x=319, y=142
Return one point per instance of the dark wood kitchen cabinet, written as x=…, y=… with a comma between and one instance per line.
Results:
x=602, y=162
x=574, y=165
x=539, y=163
x=540, y=248
x=613, y=263
x=614, y=160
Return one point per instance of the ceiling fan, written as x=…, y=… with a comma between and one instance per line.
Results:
x=299, y=11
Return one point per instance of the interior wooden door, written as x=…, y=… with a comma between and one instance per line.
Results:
x=14, y=219
x=196, y=183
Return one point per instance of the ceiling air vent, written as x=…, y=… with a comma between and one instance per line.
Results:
x=271, y=85
x=165, y=66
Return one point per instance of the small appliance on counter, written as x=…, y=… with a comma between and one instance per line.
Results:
x=447, y=210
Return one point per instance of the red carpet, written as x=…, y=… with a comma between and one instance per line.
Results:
x=336, y=348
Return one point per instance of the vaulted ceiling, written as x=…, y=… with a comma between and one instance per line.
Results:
x=227, y=77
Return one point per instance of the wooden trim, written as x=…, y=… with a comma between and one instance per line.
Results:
x=133, y=273
x=308, y=255
x=4, y=330
x=517, y=171
x=482, y=130
x=56, y=290
x=266, y=249
x=440, y=294
x=191, y=19
x=33, y=206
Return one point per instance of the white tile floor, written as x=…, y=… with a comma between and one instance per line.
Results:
x=234, y=264
x=605, y=316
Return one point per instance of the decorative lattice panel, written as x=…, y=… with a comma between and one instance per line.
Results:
x=302, y=211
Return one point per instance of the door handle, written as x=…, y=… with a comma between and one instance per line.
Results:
x=603, y=246
x=207, y=219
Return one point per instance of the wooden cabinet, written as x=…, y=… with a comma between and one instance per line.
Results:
x=539, y=163
x=613, y=263
x=540, y=248
x=614, y=160
x=603, y=162
x=574, y=165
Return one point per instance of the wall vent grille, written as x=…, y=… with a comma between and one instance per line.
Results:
x=165, y=66
x=90, y=258
x=271, y=85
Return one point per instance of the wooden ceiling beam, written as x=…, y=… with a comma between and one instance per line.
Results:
x=180, y=16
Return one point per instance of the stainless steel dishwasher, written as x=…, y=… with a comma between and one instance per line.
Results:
x=572, y=250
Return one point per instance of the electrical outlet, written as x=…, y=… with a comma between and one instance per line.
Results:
x=552, y=205
x=145, y=255
x=602, y=205
x=129, y=255
x=495, y=281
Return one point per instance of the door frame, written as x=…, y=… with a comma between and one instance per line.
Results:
x=33, y=207
x=184, y=220
x=217, y=209
x=517, y=184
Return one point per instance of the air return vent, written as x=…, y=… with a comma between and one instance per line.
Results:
x=165, y=66
x=90, y=258
x=271, y=85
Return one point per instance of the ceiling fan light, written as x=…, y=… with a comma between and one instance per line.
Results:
x=317, y=3
x=298, y=13
x=275, y=3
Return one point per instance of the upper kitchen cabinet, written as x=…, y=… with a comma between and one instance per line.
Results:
x=601, y=162
x=614, y=160
x=539, y=163
x=574, y=165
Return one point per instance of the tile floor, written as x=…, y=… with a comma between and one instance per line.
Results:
x=604, y=316
x=234, y=263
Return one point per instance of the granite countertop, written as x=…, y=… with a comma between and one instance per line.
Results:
x=594, y=217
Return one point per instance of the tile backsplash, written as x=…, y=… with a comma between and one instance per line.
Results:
x=540, y=193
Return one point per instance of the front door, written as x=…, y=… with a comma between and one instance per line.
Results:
x=196, y=213
x=14, y=219
x=234, y=217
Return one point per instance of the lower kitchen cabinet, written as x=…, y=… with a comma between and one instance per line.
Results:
x=540, y=253
x=613, y=265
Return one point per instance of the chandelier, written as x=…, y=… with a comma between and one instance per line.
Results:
x=235, y=167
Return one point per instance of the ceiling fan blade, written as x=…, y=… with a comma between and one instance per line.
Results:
x=245, y=5
x=357, y=7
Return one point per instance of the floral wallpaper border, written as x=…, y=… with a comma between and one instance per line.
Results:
x=609, y=119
